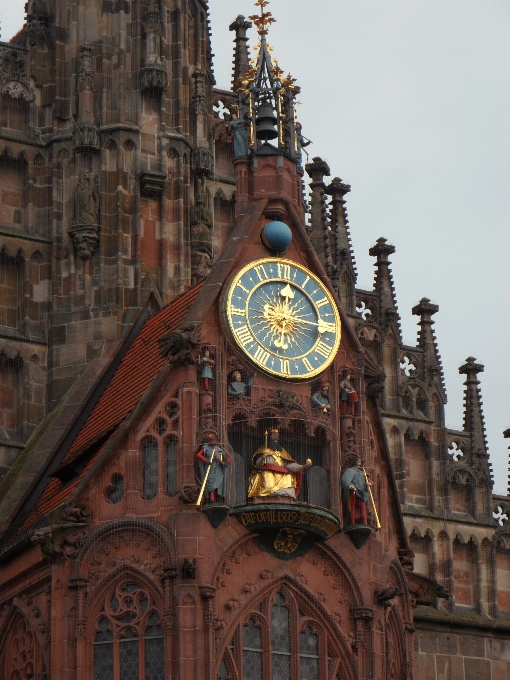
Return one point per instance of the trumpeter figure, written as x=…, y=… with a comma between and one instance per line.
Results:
x=212, y=461
x=357, y=492
x=206, y=363
x=348, y=395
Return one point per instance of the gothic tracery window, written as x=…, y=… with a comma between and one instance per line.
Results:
x=21, y=658
x=128, y=638
x=277, y=641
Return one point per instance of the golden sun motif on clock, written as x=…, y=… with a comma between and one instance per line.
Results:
x=283, y=318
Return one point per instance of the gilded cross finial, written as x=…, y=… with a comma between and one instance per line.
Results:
x=263, y=20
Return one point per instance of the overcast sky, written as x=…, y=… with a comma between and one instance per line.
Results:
x=409, y=101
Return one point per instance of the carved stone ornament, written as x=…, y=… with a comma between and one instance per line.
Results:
x=153, y=78
x=199, y=101
x=85, y=72
x=85, y=241
x=178, y=345
x=74, y=511
x=14, y=76
x=86, y=136
x=87, y=201
x=37, y=23
x=189, y=568
x=202, y=160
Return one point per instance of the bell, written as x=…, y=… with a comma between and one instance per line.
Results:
x=265, y=122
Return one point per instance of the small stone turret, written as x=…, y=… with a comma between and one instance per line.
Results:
x=432, y=367
x=473, y=414
x=241, y=51
x=318, y=228
x=383, y=286
x=344, y=268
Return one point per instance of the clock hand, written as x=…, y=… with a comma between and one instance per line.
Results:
x=281, y=342
x=287, y=293
x=322, y=326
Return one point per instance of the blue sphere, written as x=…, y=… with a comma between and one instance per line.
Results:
x=276, y=236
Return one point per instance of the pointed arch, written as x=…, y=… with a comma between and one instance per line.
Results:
x=125, y=627
x=285, y=628
x=21, y=655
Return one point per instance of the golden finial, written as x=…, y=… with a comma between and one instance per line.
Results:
x=263, y=20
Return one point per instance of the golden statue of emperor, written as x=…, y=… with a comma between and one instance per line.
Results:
x=275, y=472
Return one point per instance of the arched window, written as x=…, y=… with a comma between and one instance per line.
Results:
x=21, y=657
x=129, y=634
x=150, y=467
x=171, y=465
x=277, y=641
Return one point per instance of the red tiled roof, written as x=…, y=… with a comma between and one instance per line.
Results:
x=137, y=370
x=54, y=494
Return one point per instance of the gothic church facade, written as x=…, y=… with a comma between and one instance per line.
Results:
x=133, y=195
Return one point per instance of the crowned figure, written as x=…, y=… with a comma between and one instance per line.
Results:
x=274, y=471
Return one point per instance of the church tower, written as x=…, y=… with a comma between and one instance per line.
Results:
x=105, y=153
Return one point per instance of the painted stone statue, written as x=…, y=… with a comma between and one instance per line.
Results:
x=236, y=387
x=348, y=395
x=211, y=454
x=320, y=398
x=274, y=472
x=237, y=128
x=356, y=492
x=206, y=363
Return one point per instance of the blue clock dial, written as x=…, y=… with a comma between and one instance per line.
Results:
x=283, y=318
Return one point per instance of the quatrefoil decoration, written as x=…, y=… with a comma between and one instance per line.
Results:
x=455, y=452
x=363, y=310
x=221, y=110
x=500, y=516
x=407, y=367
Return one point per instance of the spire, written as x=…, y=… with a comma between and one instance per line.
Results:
x=506, y=435
x=383, y=285
x=241, y=51
x=318, y=229
x=432, y=366
x=344, y=268
x=266, y=98
x=473, y=414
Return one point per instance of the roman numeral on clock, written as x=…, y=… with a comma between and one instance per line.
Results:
x=261, y=356
x=261, y=273
x=284, y=271
x=243, y=335
x=323, y=349
x=237, y=311
x=320, y=303
x=284, y=366
x=307, y=364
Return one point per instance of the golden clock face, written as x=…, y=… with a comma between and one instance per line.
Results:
x=283, y=318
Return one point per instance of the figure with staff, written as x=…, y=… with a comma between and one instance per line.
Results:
x=356, y=487
x=212, y=461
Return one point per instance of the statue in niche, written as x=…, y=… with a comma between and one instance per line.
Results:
x=87, y=201
x=237, y=128
x=206, y=363
x=201, y=265
x=320, y=398
x=212, y=461
x=201, y=223
x=236, y=387
x=355, y=485
x=348, y=395
x=274, y=472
